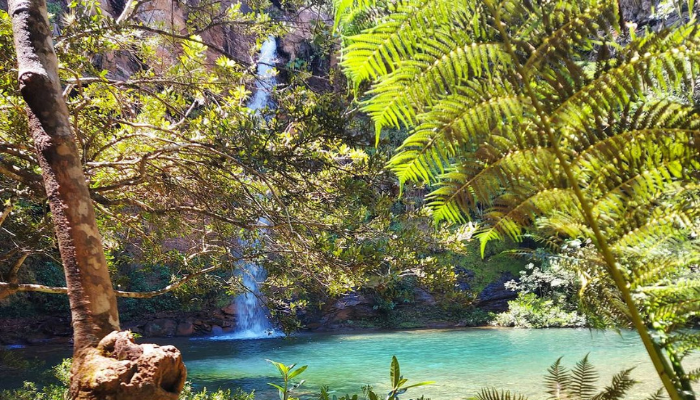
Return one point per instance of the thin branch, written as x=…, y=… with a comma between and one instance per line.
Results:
x=10, y=288
x=5, y=213
x=12, y=276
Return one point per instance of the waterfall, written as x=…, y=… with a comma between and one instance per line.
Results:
x=251, y=315
x=266, y=79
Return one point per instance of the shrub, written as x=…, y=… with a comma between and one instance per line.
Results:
x=530, y=311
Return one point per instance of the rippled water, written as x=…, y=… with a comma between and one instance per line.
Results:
x=460, y=361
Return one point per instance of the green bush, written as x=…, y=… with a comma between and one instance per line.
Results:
x=530, y=311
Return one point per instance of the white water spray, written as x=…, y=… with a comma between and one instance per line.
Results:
x=266, y=77
x=252, y=320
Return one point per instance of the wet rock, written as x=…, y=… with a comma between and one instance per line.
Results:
x=216, y=330
x=229, y=309
x=349, y=307
x=423, y=298
x=495, y=296
x=160, y=328
x=185, y=329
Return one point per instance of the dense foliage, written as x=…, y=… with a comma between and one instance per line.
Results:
x=188, y=182
x=552, y=115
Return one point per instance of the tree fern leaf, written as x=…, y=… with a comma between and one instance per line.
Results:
x=659, y=395
x=618, y=85
x=576, y=32
x=376, y=52
x=621, y=384
x=583, y=380
x=510, y=222
x=417, y=83
x=557, y=380
x=493, y=394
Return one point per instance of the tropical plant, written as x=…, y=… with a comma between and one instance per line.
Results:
x=398, y=386
x=578, y=383
x=288, y=373
x=398, y=382
x=552, y=114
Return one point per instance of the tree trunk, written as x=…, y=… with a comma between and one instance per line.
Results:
x=146, y=372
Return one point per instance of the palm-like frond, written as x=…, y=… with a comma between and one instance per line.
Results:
x=576, y=384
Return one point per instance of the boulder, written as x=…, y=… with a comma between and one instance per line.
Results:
x=128, y=371
x=229, y=309
x=495, y=296
x=349, y=307
x=185, y=328
x=216, y=330
x=464, y=277
x=160, y=328
x=423, y=298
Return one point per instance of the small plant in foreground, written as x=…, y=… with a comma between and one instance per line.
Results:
x=287, y=373
x=398, y=386
x=576, y=384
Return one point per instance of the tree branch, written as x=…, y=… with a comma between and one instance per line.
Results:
x=5, y=213
x=7, y=289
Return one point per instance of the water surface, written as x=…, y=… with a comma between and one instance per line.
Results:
x=460, y=361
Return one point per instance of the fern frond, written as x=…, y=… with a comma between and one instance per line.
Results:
x=510, y=221
x=661, y=228
x=557, y=380
x=618, y=86
x=345, y=7
x=583, y=380
x=577, y=32
x=472, y=112
x=493, y=394
x=659, y=395
x=480, y=181
x=377, y=51
x=418, y=82
x=621, y=384
x=694, y=375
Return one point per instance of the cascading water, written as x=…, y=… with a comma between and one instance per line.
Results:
x=252, y=321
x=251, y=315
x=266, y=79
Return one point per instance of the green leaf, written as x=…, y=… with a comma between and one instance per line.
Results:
x=395, y=372
x=297, y=372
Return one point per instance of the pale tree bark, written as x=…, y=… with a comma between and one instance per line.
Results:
x=106, y=362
